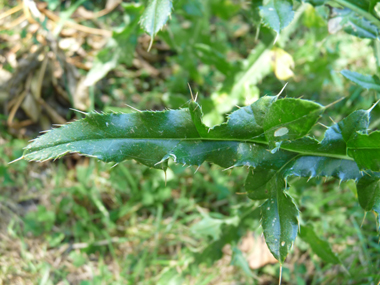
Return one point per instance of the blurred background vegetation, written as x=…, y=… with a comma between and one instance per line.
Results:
x=80, y=221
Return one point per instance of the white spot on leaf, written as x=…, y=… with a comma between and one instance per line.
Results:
x=281, y=132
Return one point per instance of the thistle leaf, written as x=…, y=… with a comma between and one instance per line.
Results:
x=365, y=81
x=155, y=16
x=279, y=219
x=277, y=14
x=368, y=190
x=365, y=149
x=347, y=152
x=290, y=119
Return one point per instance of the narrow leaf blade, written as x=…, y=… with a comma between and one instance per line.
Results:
x=320, y=247
x=365, y=81
x=279, y=219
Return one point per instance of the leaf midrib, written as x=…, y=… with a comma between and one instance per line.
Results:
x=303, y=153
x=155, y=15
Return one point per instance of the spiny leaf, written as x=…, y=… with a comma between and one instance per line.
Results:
x=353, y=23
x=277, y=14
x=155, y=16
x=320, y=247
x=290, y=119
x=368, y=190
x=365, y=149
x=145, y=137
x=365, y=81
x=268, y=119
x=279, y=219
x=245, y=123
x=153, y=138
x=361, y=27
x=314, y=166
x=357, y=121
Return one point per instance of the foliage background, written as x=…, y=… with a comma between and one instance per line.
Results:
x=79, y=221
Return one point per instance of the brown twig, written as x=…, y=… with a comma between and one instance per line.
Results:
x=54, y=116
x=77, y=63
x=28, y=15
x=101, y=13
x=19, y=100
x=16, y=22
x=22, y=124
x=41, y=77
x=11, y=11
x=76, y=26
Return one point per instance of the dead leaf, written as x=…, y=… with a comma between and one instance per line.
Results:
x=256, y=250
x=31, y=108
x=81, y=96
x=282, y=63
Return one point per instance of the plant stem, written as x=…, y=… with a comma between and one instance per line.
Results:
x=359, y=11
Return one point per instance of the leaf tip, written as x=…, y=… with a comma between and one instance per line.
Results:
x=373, y=106
x=283, y=88
x=191, y=93
x=151, y=43
x=79, y=111
x=333, y=103
x=116, y=164
x=196, y=170
x=17, y=159
x=133, y=108
x=276, y=38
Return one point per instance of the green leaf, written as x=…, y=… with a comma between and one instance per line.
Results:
x=368, y=190
x=314, y=166
x=357, y=121
x=155, y=16
x=259, y=184
x=320, y=247
x=365, y=150
x=247, y=122
x=290, y=119
x=246, y=139
x=119, y=49
x=365, y=81
x=238, y=259
x=361, y=27
x=277, y=14
x=210, y=226
x=268, y=119
x=353, y=23
x=279, y=219
x=316, y=2
x=145, y=137
x=210, y=56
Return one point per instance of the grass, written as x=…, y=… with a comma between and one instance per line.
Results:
x=93, y=224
